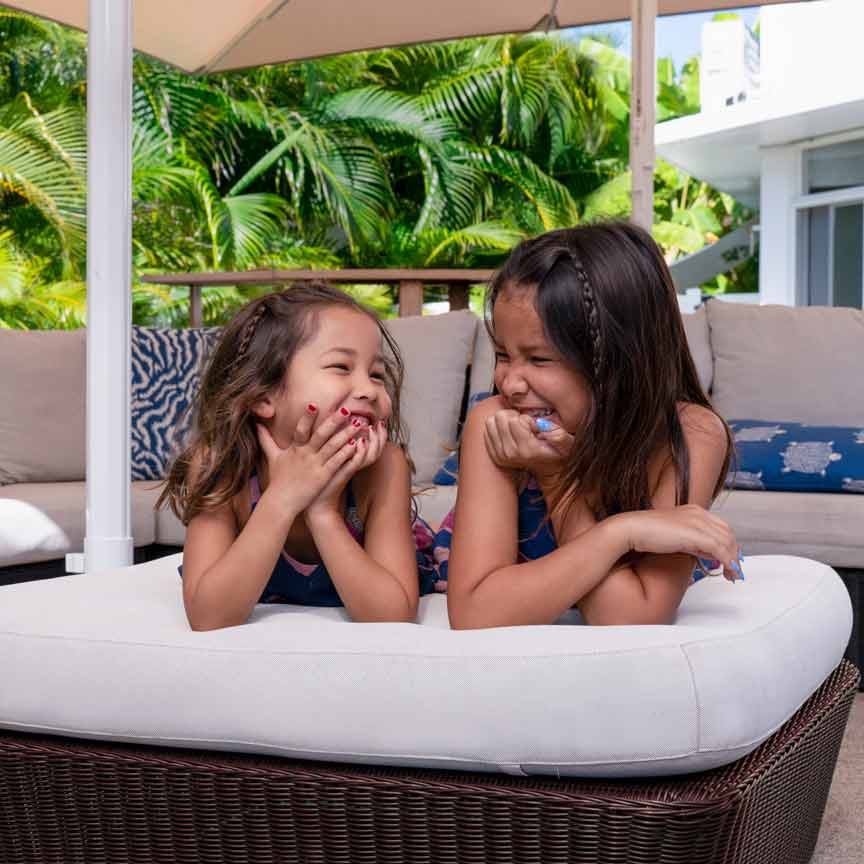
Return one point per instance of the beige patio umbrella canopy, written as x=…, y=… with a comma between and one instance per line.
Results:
x=203, y=36
x=208, y=35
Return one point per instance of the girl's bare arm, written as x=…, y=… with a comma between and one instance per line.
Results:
x=378, y=580
x=650, y=591
x=486, y=587
x=225, y=569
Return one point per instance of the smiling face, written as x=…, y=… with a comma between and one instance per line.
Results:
x=341, y=365
x=529, y=372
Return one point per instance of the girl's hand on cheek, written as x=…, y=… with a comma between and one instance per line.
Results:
x=369, y=447
x=299, y=472
x=515, y=441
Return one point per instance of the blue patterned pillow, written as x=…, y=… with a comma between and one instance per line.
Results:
x=166, y=371
x=448, y=473
x=796, y=457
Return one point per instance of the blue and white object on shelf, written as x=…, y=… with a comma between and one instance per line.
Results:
x=797, y=457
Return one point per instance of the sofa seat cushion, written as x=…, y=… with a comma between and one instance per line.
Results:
x=433, y=504
x=110, y=656
x=819, y=525
x=44, y=521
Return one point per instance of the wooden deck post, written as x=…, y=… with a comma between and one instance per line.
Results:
x=458, y=295
x=195, y=316
x=410, y=298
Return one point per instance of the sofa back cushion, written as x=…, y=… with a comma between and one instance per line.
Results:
x=166, y=373
x=435, y=349
x=482, y=362
x=698, y=338
x=791, y=364
x=42, y=405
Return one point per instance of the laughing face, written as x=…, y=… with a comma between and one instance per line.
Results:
x=341, y=366
x=529, y=372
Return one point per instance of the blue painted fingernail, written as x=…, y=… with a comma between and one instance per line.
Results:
x=545, y=425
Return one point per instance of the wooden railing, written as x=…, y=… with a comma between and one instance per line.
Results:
x=410, y=283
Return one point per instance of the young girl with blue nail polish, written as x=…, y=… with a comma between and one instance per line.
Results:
x=585, y=479
x=295, y=484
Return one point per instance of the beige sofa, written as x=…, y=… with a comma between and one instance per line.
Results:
x=772, y=363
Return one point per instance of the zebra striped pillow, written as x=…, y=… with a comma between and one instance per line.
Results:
x=166, y=372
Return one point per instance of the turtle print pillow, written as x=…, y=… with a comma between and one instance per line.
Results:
x=797, y=457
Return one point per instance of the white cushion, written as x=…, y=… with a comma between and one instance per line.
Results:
x=111, y=656
x=44, y=521
x=435, y=349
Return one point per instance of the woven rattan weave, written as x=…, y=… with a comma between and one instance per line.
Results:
x=65, y=801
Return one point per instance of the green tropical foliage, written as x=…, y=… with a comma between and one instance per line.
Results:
x=427, y=155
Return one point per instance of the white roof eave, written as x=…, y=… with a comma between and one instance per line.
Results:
x=724, y=148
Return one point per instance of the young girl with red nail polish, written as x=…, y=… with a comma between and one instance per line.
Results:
x=295, y=483
x=585, y=480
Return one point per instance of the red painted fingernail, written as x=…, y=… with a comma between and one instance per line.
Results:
x=350, y=440
x=344, y=412
x=355, y=422
x=311, y=408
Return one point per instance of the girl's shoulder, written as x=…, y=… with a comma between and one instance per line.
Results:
x=701, y=422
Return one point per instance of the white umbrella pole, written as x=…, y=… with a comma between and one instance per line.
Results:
x=642, y=110
x=108, y=541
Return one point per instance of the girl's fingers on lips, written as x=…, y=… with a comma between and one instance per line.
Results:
x=329, y=426
x=337, y=441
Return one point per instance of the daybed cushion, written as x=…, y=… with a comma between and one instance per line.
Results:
x=44, y=521
x=110, y=655
x=783, y=363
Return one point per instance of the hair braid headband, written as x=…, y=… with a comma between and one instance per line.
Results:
x=589, y=307
x=249, y=333
x=590, y=315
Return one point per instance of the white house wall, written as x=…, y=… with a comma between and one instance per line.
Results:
x=778, y=253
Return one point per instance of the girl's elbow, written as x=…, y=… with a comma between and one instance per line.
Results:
x=628, y=618
x=461, y=614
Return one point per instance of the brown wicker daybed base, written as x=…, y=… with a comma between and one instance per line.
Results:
x=65, y=801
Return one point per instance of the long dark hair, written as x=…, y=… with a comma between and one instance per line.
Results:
x=254, y=351
x=607, y=303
